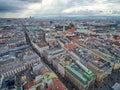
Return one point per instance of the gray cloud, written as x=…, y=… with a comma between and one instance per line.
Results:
x=31, y=1
x=82, y=2
x=15, y=5
x=56, y=7
x=114, y=1
x=8, y=7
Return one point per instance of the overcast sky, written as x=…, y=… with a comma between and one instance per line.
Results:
x=38, y=8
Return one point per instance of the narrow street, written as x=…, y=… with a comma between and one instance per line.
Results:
x=69, y=84
x=63, y=80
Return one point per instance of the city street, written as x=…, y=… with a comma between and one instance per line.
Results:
x=105, y=85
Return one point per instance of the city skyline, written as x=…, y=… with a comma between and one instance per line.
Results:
x=39, y=8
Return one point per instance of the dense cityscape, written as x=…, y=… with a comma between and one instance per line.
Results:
x=60, y=53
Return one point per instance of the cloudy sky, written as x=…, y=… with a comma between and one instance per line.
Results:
x=38, y=8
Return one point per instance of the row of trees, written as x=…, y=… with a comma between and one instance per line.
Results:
x=60, y=27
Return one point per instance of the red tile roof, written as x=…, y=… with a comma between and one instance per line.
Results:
x=69, y=46
x=28, y=85
x=58, y=85
x=118, y=38
x=71, y=30
x=73, y=37
x=49, y=88
x=2, y=40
